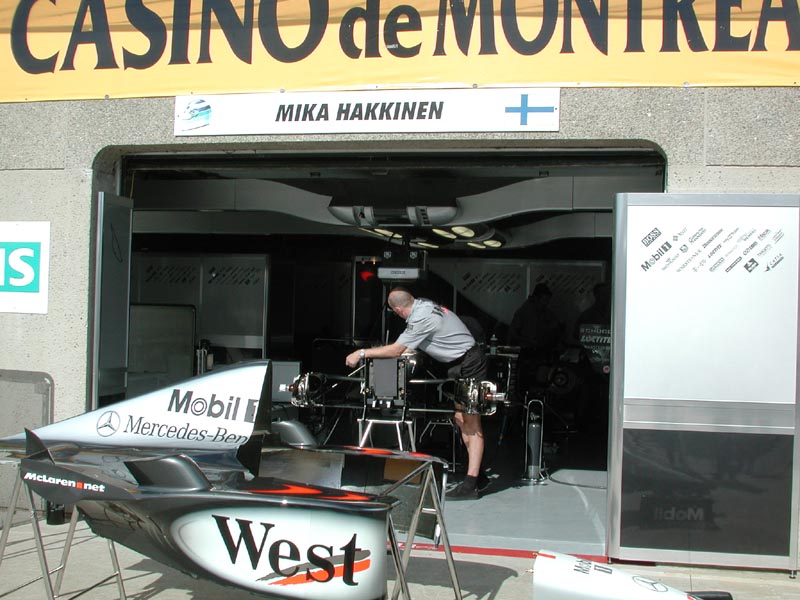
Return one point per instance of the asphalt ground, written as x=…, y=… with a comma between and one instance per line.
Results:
x=488, y=575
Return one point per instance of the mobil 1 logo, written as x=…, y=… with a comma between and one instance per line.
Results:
x=657, y=255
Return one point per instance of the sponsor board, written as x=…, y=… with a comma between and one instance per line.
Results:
x=289, y=552
x=733, y=260
x=24, y=267
x=721, y=251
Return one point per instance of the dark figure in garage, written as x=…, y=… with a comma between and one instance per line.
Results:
x=439, y=333
x=537, y=331
x=593, y=333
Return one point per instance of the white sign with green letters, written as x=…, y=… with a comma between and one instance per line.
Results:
x=24, y=266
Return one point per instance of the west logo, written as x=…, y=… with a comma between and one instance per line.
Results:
x=20, y=265
x=319, y=563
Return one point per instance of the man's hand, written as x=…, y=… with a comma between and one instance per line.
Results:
x=353, y=359
x=390, y=351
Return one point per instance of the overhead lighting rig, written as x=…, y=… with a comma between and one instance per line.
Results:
x=478, y=236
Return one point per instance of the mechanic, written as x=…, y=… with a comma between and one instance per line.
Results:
x=439, y=333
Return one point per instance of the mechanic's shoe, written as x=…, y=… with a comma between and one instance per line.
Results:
x=483, y=482
x=462, y=492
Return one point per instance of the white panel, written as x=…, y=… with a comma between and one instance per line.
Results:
x=711, y=305
x=396, y=111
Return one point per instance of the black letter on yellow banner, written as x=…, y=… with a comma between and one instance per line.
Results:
x=268, y=29
x=99, y=35
x=19, y=42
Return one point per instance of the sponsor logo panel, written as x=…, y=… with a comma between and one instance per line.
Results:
x=217, y=410
x=289, y=552
x=714, y=249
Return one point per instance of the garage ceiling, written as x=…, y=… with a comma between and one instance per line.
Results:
x=522, y=199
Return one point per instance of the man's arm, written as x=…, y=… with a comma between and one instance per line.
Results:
x=389, y=351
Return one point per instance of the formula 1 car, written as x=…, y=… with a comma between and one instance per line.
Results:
x=184, y=476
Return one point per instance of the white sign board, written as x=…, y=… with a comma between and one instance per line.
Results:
x=711, y=305
x=24, y=266
x=376, y=111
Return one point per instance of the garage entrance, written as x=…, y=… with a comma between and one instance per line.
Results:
x=290, y=257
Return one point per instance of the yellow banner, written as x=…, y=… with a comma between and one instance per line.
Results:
x=84, y=49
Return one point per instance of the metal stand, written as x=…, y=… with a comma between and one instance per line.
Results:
x=363, y=432
x=533, y=473
x=12, y=509
x=53, y=590
x=401, y=562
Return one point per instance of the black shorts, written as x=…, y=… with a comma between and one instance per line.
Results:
x=471, y=365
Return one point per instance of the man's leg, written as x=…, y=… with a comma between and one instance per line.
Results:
x=472, y=434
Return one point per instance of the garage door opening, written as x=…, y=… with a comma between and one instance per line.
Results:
x=290, y=257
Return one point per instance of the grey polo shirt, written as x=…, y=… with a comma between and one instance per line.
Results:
x=436, y=331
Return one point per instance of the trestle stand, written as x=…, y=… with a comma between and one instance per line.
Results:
x=53, y=589
x=364, y=432
x=401, y=563
x=12, y=508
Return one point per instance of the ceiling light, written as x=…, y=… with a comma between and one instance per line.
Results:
x=444, y=234
x=425, y=244
x=476, y=245
x=463, y=231
x=387, y=233
x=371, y=232
x=493, y=243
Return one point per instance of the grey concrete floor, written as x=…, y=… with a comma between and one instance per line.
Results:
x=481, y=576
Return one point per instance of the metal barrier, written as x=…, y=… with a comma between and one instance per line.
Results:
x=26, y=400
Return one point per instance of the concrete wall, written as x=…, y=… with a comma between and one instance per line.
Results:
x=58, y=155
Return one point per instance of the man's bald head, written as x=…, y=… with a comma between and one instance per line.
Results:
x=400, y=299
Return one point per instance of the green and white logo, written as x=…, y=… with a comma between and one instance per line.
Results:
x=20, y=266
x=24, y=266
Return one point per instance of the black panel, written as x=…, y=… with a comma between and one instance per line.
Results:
x=707, y=492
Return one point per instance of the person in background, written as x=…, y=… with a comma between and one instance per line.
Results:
x=537, y=331
x=440, y=334
x=593, y=332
